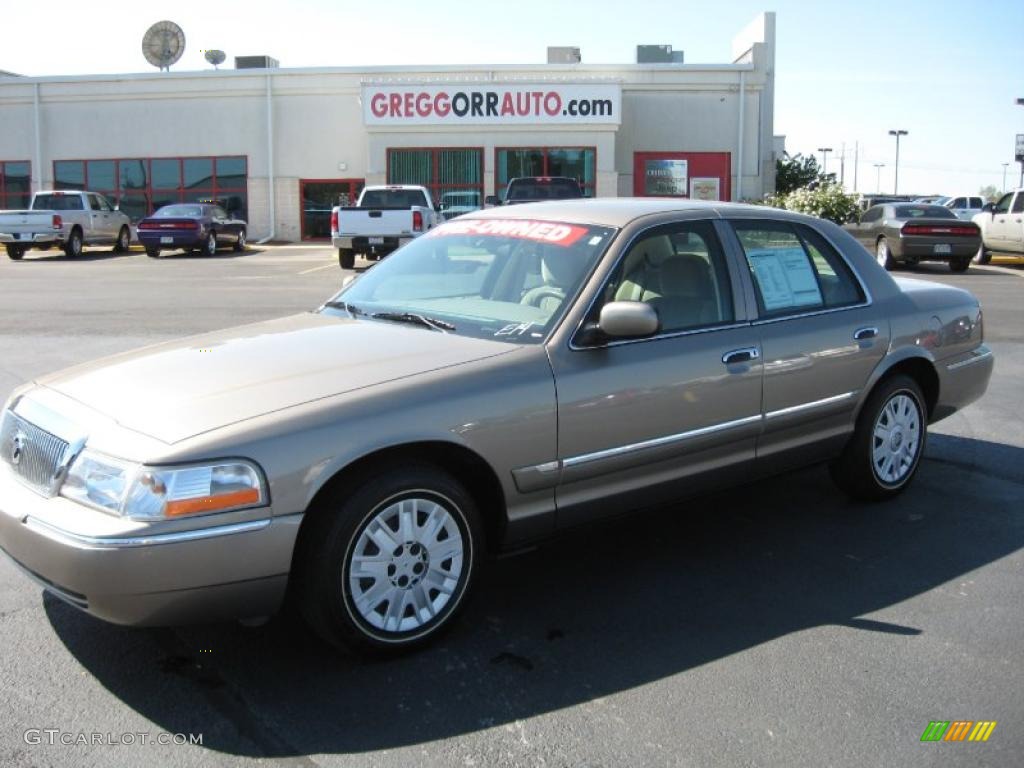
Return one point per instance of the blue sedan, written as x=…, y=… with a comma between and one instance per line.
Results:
x=198, y=227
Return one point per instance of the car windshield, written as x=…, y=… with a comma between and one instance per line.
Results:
x=919, y=211
x=503, y=279
x=543, y=189
x=168, y=211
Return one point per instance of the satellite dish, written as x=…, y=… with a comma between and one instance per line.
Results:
x=215, y=57
x=163, y=44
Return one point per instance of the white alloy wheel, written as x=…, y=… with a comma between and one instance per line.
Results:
x=896, y=443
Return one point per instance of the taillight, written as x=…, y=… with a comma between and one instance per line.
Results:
x=58, y=222
x=417, y=221
x=932, y=229
x=334, y=220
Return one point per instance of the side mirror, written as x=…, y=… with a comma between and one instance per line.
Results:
x=492, y=200
x=621, y=320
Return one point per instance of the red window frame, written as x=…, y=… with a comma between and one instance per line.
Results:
x=436, y=188
x=4, y=194
x=354, y=186
x=588, y=186
x=215, y=190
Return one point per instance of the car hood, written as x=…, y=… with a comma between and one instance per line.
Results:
x=177, y=390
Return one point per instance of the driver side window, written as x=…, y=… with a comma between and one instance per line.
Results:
x=680, y=271
x=1004, y=204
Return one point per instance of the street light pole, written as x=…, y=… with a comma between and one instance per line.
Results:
x=824, y=159
x=896, y=170
x=1003, y=189
x=878, y=176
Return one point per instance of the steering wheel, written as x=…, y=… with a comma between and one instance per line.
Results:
x=536, y=295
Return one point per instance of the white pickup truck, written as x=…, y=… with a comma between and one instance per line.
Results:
x=383, y=219
x=1002, y=226
x=66, y=219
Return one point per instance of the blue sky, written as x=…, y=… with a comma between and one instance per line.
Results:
x=949, y=73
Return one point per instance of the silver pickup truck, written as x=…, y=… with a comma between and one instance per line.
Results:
x=66, y=219
x=383, y=220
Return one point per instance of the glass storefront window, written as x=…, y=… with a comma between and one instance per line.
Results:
x=143, y=185
x=318, y=198
x=579, y=163
x=15, y=184
x=440, y=170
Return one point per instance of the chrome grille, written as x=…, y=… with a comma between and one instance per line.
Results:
x=32, y=453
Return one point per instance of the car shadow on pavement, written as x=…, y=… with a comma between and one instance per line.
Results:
x=225, y=253
x=55, y=256
x=627, y=603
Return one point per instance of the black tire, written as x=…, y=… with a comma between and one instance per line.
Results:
x=982, y=256
x=346, y=258
x=209, y=246
x=152, y=252
x=15, y=251
x=325, y=588
x=959, y=264
x=855, y=470
x=73, y=246
x=883, y=255
x=239, y=245
x=124, y=240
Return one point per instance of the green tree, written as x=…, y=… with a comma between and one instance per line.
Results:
x=990, y=193
x=796, y=171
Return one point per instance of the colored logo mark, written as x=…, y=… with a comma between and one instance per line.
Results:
x=958, y=730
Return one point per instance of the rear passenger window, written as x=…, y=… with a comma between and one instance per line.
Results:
x=794, y=269
x=680, y=271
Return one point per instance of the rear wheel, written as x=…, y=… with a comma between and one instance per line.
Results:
x=883, y=455
x=346, y=258
x=124, y=238
x=209, y=247
x=385, y=566
x=73, y=247
x=883, y=255
x=16, y=251
x=152, y=252
x=959, y=264
x=982, y=256
x=240, y=242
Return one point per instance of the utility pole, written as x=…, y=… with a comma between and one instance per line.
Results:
x=856, y=153
x=824, y=159
x=842, y=166
x=896, y=173
x=1005, y=165
x=878, y=176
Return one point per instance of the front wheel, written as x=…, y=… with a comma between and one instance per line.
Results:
x=346, y=258
x=883, y=455
x=240, y=242
x=385, y=567
x=883, y=255
x=982, y=256
x=16, y=251
x=959, y=265
x=124, y=239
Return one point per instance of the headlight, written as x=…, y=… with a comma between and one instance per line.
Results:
x=159, y=493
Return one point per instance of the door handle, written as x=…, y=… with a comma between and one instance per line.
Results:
x=744, y=355
x=864, y=333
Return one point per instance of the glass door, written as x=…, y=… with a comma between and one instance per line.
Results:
x=319, y=196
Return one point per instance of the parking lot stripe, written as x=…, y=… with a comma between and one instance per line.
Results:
x=317, y=269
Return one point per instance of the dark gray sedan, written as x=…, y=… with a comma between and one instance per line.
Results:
x=509, y=375
x=906, y=233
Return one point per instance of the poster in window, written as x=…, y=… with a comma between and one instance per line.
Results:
x=705, y=188
x=665, y=177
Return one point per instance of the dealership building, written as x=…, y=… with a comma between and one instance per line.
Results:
x=279, y=146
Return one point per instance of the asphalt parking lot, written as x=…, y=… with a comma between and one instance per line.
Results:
x=775, y=624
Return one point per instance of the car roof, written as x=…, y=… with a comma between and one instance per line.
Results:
x=619, y=211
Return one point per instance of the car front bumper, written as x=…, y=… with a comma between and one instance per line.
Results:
x=235, y=570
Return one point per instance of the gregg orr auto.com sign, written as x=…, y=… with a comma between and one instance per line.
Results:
x=486, y=104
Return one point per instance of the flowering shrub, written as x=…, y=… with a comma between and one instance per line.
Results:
x=827, y=201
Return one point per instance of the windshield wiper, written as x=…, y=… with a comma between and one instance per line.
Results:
x=415, y=318
x=352, y=309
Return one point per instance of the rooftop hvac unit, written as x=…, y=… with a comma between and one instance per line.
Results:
x=658, y=54
x=256, y=62
x=564, y=54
